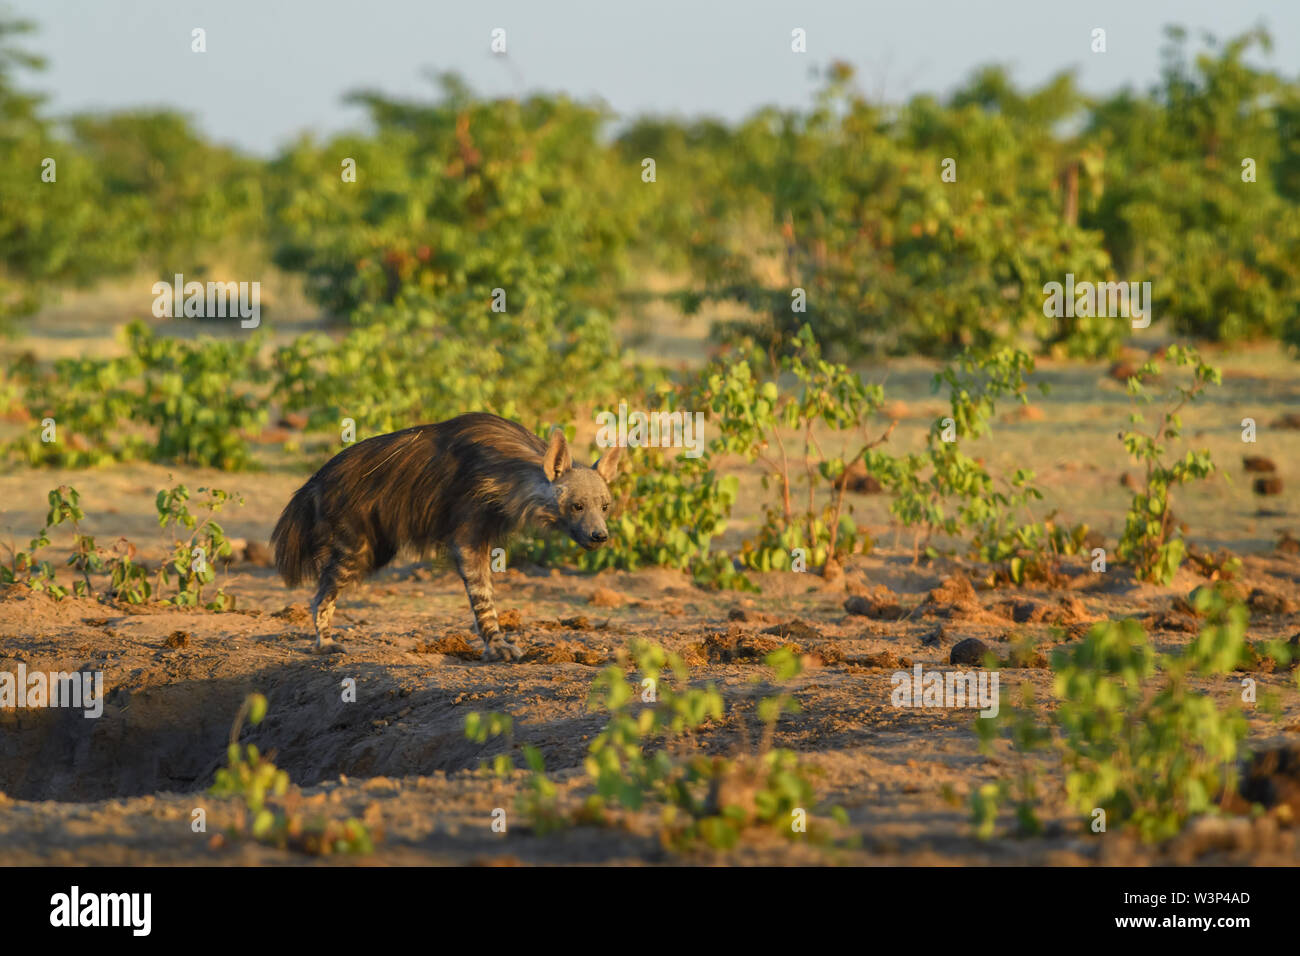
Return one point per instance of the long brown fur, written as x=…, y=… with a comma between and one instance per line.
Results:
x=462, y=487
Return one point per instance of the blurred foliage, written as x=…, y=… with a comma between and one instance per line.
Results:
x=1142, y=746
x=649, y=757
x=268, y=809
x=178, y=203
x=191, y=566
x=197, y=401
x=459, y=195
x=102, y=195
x=425, y=359
x=847, y=202
x=456, y=197
x=478, y=256
x=1223, y=255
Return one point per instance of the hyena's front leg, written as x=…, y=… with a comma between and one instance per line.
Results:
x=475, y=570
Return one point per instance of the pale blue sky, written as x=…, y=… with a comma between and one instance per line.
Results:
x=275, y=67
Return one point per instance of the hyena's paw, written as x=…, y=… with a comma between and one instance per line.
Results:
x=499, y=649
x=328, y=646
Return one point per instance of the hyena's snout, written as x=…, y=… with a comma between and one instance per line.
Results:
x=590, y=538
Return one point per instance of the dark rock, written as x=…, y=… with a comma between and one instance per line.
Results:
x=1257, y=463
x=1272, y=778
x=862, y=483
x=1272, y=485
x=968, y=651
x=875, y=608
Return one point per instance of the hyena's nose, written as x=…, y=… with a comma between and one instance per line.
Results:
x=600, y=537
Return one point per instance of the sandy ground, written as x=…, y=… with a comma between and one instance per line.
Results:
x=122, y=788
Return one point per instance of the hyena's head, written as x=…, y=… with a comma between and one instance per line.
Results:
x=581, y=494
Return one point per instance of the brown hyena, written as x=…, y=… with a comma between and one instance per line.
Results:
x=461, y=486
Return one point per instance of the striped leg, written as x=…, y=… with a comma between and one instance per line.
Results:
x=337, y=574
x=475, y=571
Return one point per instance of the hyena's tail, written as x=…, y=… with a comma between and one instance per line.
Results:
x=297, y=553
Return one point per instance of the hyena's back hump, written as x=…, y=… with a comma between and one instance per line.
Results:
x=409, y=489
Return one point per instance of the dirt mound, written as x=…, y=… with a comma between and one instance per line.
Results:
x=794, y=630
x=566, y=652
x=1271, y=485
x=1065, y=610
x=737, y=645
x=1263, y=601
x=955, y=599
x=955, y=589
x=860, y=482
x=1207, y=837
x=464, y=647
x=881, y=604
x=1024, y=655
x=1272, y=778
x=1257, y=463
x=606, y=597
x=259, y=555
x=748, y=616
x=835, y=655
x=578, y=623
x=1024, y=413
x=295, y=614
x=1175, y=619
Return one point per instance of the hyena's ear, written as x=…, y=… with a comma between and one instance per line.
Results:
x=557, y=459
x=607, y=466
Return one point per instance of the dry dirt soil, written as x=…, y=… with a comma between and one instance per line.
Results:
x=121, y=789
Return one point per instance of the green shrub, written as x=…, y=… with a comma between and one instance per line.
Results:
x=190, y=568
x=1136, y=740
x=944, y=490
x=1150, y=539
x=701, y=799
x=751, y=412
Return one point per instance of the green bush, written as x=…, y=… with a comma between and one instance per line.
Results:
x=1151, y=538
x=646, y=758
x=1136, y=740
x=453, y=196
x=169, y=400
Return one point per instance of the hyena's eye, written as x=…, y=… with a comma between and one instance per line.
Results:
x=605, y=506
x=577, y=507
